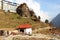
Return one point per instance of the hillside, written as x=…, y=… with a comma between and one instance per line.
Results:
x=11, y=20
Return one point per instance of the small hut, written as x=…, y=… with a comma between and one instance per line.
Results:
x=25, y=28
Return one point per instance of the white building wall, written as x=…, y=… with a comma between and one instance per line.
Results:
x=7, y=7
x=28, y=31
x=0, y=5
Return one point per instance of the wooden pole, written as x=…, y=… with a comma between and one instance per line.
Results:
x=2, y=4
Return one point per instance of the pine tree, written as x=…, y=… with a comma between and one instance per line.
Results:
x=46, y=21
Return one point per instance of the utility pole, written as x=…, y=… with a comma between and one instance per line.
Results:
x=2, y=4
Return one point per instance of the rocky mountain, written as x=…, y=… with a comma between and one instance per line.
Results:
x=56, y=21
x=24, y=11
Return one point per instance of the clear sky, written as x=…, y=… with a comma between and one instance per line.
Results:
x=47, y=9
x=50, y=6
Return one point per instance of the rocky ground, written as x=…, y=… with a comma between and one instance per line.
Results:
x=33, y=37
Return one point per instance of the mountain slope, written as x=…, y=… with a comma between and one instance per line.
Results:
x=11, y=20
x=56, y=21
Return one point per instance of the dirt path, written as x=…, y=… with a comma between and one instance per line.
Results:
x=42, y=28
x=34, y=36
x=2, y=37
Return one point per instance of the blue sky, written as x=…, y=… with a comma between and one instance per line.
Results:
x=50, y=6
x=44, y=8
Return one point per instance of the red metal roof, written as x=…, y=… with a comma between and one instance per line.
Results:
x=24, y=26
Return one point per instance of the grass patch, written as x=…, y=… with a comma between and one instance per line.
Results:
x=11, y=20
